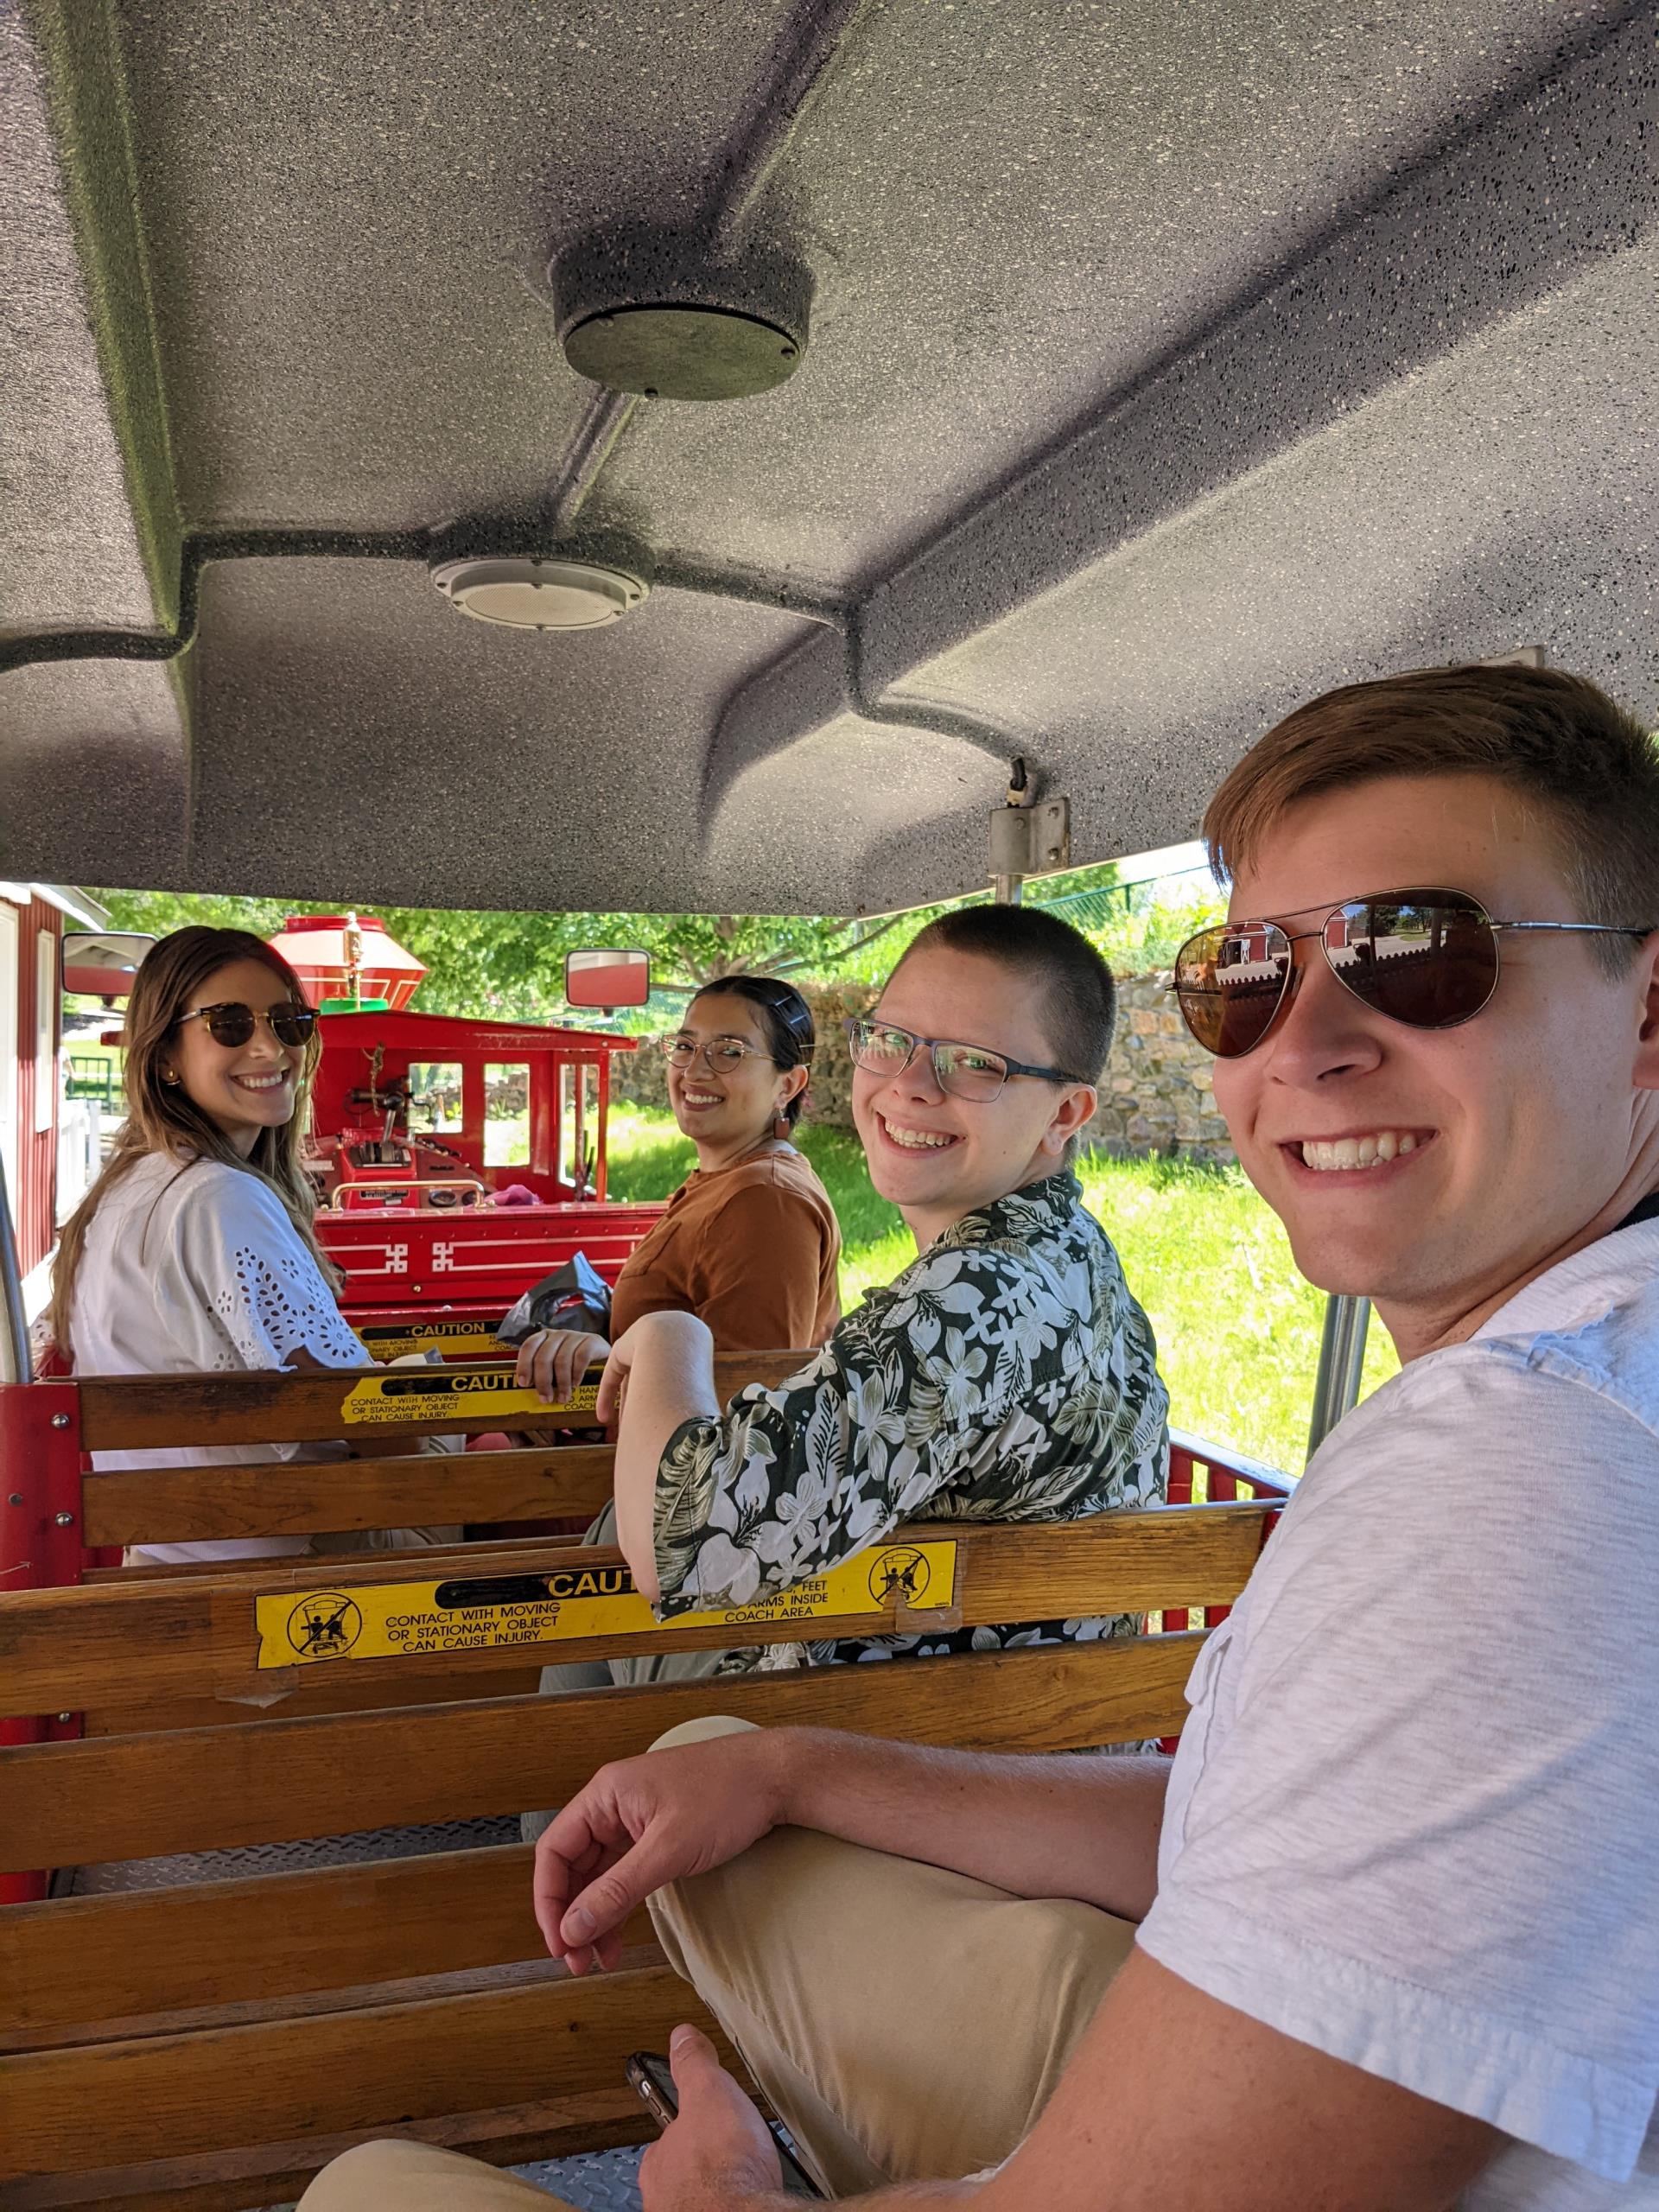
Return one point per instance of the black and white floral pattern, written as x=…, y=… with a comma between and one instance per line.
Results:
x=1007, y=1375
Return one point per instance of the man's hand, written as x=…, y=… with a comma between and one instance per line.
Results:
x=642, y=1822
x=718, y=2155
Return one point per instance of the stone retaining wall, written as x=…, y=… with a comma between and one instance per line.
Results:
x=1157, y=1094
x=1155, y=1098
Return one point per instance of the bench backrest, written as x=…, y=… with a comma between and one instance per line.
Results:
x=231, y=2035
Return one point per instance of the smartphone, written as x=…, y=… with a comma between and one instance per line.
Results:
x=649, y=2072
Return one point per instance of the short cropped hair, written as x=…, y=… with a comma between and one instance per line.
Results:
x=1590, y=768
x=1077, y=1003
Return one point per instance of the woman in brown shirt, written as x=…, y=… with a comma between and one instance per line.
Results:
x=750, y=1242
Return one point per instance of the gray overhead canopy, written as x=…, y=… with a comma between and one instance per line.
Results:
x=1165, y=364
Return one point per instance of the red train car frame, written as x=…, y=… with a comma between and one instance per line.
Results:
x=414, y=1209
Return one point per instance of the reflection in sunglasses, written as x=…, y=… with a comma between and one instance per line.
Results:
x=1428, y=959
x=231, y=1023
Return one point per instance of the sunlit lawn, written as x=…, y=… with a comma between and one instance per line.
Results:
x=1238, y=1330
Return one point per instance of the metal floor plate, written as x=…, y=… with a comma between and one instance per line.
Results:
x=307, y=1855
x=599, y=2181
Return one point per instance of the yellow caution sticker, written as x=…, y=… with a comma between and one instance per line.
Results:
x=407, y=1620
x=412, y=1394
x=455, y=1339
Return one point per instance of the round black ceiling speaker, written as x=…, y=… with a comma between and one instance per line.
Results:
x=650, y=311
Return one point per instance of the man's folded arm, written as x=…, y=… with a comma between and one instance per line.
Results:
x=1067, y=1825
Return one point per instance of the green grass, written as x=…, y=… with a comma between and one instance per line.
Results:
x=1238, y=1328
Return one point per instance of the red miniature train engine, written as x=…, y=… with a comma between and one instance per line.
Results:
x=457, y=1161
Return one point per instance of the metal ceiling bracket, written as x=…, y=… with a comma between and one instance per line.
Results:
x=1034, y=839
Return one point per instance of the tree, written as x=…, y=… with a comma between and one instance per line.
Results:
x=512, y=965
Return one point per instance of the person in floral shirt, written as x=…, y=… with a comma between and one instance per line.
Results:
x=1008, y=1374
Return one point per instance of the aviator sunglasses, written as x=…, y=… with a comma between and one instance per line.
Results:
x=1427, y=958
x=231, y=1023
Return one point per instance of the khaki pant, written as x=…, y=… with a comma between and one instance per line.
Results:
x=907, y=2023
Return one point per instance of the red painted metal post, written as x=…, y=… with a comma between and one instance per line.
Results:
x=601, y=1172
x=41, y=1540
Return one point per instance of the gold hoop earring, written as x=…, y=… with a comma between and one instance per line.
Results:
x=169, y=1075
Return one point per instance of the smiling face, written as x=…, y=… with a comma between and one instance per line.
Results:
x=938, y=1157
x=728, y=1112
x=1437, y=1171
x=243, y=1087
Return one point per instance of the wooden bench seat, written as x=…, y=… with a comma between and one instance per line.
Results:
x=211, y=2046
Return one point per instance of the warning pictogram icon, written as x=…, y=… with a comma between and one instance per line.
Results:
x=902, y=1573
x=324, y=1624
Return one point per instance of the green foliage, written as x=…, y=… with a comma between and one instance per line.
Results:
x=1237, y=1327
x=1139, y=927
x=511, y=966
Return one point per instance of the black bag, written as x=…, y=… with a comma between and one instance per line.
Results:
x=574, y=1296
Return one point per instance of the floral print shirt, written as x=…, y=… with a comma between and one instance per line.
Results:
x=1006, y=1374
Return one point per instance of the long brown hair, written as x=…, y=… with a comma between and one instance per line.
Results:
x=162, y=1117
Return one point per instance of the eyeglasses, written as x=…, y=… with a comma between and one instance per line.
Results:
x=231, y=1023
x=1425, y=957
x=964, y=1071
x=719, y=1054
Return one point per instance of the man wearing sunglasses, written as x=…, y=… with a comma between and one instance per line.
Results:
x=1397, y=1897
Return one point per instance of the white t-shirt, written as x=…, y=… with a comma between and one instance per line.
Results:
x=196, y=1268
x=1413, y=1820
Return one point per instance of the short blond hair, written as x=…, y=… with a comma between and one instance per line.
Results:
x=1590, y=767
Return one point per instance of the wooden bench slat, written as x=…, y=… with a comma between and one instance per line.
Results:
x=373, y=1690
x=272, y=2173
x=642, y=1949
x=133, y=1413
x=265, y=1780
x=150, y=1951
x=156, y=1505
x=69, y=1649
x=174, y=2096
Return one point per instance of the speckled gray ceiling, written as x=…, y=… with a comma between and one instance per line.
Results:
x=1166, y=366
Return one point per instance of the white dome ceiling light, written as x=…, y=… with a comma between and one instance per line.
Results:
x=525, y=592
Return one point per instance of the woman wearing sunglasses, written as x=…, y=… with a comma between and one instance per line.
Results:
x=750, y=1242
x=1006, y=1374
x=192, y=1251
